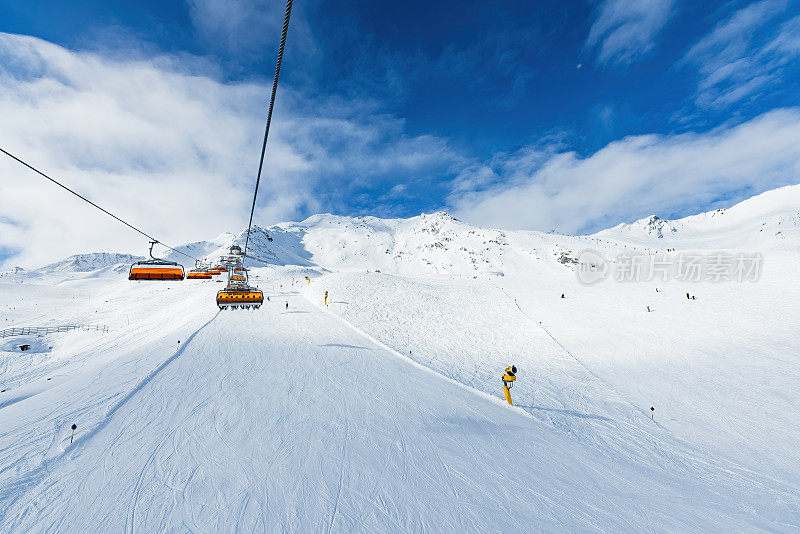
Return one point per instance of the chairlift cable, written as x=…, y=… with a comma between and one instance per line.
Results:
x=129, y=225
x=269, y=115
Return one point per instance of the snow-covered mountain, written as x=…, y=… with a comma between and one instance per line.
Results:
x=770, y=220
x=439, y=243
x=372, y=401
x=426, y=244
x=81, y=263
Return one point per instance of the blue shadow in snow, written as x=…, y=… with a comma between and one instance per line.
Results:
x=471, y=425
x=570, y=413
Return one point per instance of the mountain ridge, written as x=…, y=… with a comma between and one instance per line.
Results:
x=440, y=243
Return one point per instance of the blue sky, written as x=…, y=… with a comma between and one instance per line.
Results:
x=571, y=116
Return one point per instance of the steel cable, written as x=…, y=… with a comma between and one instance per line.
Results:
x=269, y=115
x=129, y=225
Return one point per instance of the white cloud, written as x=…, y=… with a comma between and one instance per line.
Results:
x=744, y=54
x=625, y=29
x=249, y=29
x=151, y=144
x=237, y=25
x=633, y=177
x=175, y=152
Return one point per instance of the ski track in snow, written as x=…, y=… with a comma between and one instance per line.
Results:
x=383, y=411
x=394, y=299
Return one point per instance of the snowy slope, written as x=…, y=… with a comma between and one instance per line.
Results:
x=81, y=263
x=198, y=249
x=428, y=244
x=721, y=371
x=272, y=246
x=770, y=220
x=383, y=410
x=288, y=419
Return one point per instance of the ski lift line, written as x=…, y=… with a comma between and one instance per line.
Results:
x=269, y=114
x=256, y=258
x=566, y=350
x=129, y=225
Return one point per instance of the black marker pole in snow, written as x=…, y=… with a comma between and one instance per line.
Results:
x=74, y=426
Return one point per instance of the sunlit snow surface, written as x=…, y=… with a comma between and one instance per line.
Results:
x=383, y=411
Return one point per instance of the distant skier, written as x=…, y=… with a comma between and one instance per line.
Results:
x=687, y=296
x=562, y=295
x=287, y=305
x=648, y=309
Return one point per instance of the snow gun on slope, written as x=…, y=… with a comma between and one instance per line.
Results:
x=508, y=380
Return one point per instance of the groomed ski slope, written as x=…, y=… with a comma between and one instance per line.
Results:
x=721, y=371
x=292, y=420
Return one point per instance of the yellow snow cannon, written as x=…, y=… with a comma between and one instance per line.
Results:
x=508, y=379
